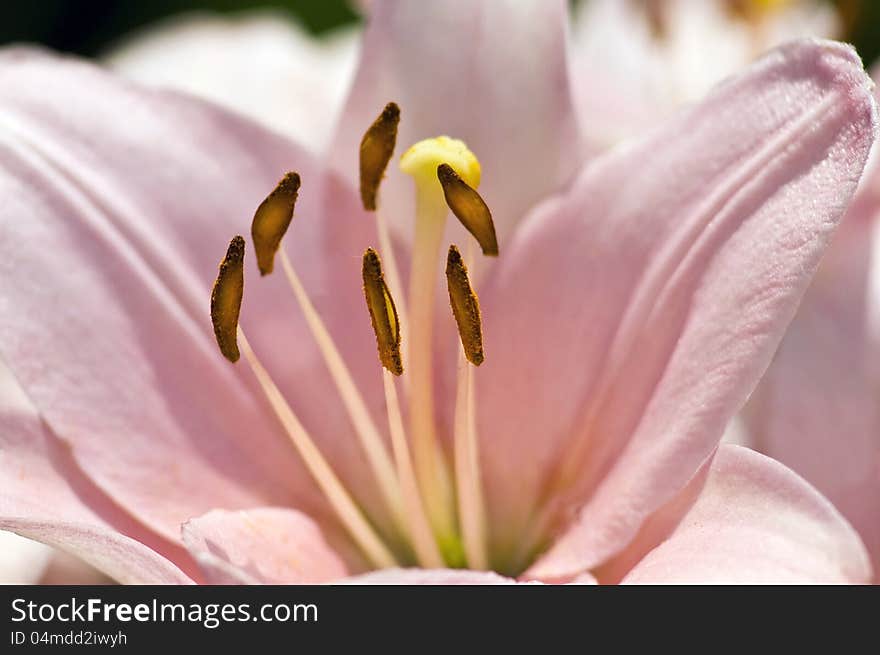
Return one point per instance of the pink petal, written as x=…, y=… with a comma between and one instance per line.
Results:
x=491, y=73
x=756, y=522
x=124, y=559
x=428, y=577
x=118, y=204
x=817, y=409
x=45, y=496
x=266, y=545
x=632, y=317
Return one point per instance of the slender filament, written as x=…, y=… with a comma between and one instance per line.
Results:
x=471, y=509
x=419, y=528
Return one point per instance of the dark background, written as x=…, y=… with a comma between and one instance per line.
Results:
x=87, y=27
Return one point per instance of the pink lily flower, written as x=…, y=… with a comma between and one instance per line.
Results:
x=818, y=407
x=636, y=301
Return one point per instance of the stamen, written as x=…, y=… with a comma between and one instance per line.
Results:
x=419, y=528
x=465, y=307
x=377, y=146
x=469, y=208
x=383, y=313
x=342, y=503
x=366, y=429
x=471, y=509
x=431, y=468
x=226, y=299
x=272, y=219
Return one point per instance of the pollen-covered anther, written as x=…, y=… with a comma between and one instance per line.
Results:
x=272, y=219
x=465, y=307
x=226, y=299
x=469, y=208
x=383, y=313
x=377, y=146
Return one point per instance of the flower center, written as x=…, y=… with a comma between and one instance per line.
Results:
x=436, y=506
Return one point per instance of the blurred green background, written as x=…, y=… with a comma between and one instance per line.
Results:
x=88, y=26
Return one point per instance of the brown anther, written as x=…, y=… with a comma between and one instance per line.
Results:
x=469, y=208
x=465, y=307
x=226, y=299
x=383, y=313
x=377, y=146
x=272, y=219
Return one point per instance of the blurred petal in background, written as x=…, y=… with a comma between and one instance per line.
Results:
x=260, y=63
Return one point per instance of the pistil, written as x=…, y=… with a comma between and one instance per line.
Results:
x=432, y=471
x=421, y=162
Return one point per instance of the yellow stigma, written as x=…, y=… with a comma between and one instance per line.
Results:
x=422, y=159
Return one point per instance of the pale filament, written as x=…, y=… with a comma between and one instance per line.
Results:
x=339, y=499
x=419, y=528
x=368, y=433
x=471, y=509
